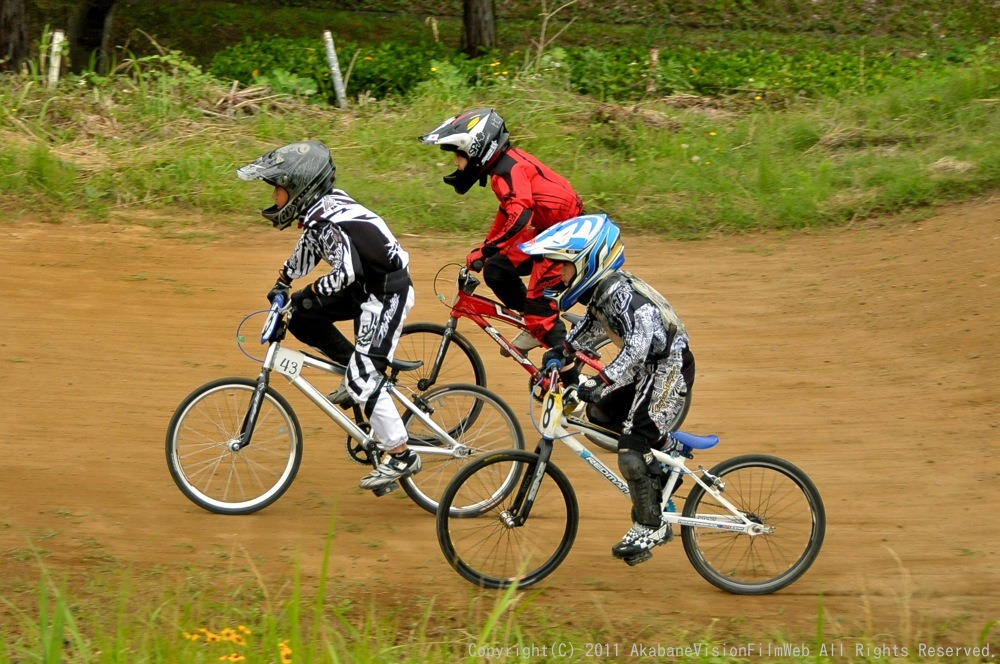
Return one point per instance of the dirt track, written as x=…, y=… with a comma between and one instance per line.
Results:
x=869, y=357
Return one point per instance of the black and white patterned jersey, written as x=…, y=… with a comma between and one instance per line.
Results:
x=353, y=240
x=625, y=309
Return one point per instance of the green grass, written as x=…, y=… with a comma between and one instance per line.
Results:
x=155, y=137
x=123, y=615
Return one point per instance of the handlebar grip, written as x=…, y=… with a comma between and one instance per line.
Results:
x=477, y=265
x=278, y=302
x=553, y=364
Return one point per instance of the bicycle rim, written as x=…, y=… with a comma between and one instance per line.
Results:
x=770, y=491
x=475, y=418
x=486, y=548
x=213, y=476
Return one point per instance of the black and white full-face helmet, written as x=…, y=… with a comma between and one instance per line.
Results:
x=305, y=170
x=480, y=135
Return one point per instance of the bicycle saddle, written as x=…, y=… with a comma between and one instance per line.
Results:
x=406, y=365
x=695, y=442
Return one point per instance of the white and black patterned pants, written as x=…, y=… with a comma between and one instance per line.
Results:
x=378, y=324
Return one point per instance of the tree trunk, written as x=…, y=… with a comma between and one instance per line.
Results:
x=13, y=34
x=87, y=35
x=480, y=31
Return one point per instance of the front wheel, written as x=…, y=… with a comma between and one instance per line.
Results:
x=199, y=447
x=508, y=539
x=769, y=491
x=456, y=362
x=477, y=419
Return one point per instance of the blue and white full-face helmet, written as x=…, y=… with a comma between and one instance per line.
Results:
x=591, y=242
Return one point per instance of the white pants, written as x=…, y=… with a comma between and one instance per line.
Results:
x=378, y=328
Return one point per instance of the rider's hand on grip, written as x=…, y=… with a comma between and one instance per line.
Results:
x=279, y=288
x=590, y=391
x=552, y=358
x=474, y=261
x=477, y=257
x=564, y=355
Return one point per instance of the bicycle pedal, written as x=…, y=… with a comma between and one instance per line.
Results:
x=387, y=488
x=641, y=558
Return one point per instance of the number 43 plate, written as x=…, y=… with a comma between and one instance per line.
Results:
x=288, y=362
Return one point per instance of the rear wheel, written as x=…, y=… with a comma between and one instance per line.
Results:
x=769, y=491
x=476, y=419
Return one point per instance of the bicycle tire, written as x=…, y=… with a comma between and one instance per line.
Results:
x=481, y=547
x=472, y=415
x=213, y=476
x=421, y=341
x=768, y=490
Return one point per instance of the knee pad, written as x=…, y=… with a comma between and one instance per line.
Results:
x=644, y=490
x=600, y=418
x=631, y=464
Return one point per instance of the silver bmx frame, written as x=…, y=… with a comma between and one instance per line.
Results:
x=290, y=363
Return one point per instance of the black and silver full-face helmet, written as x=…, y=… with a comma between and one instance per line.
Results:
x=305, y=170
x=480, y=135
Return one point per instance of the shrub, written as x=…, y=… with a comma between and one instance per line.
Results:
x=622, y=73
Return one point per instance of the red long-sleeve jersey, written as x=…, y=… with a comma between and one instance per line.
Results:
x=532, y=197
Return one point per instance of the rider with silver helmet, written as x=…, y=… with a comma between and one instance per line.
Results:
x=368, y=282
x=532, y=198
x=643, y=389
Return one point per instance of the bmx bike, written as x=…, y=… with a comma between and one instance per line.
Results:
x=234, y=445
x=750, y=525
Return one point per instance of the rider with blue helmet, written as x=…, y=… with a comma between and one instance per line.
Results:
x=643, y=389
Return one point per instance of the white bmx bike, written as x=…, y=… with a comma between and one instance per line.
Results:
x=234, y=445
x=751, y=525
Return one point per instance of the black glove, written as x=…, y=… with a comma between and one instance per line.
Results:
x=590, y=391
x=305, y=299
x=279, y=288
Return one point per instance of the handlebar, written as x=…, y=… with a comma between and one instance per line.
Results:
x=274, y=316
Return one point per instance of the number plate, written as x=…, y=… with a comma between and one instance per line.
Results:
x=288, y=362
x=551, y=413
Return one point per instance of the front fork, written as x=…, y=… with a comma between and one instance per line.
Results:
x=425, y=384
x=521, y=506
x=250, y=419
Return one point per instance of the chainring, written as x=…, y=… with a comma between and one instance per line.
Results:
x=357, y=451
